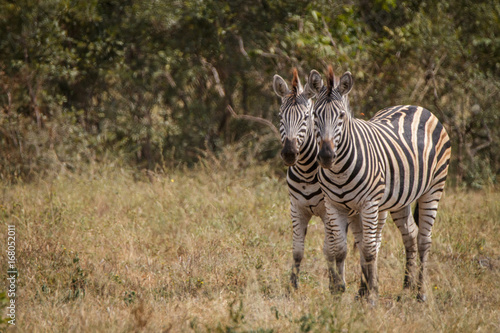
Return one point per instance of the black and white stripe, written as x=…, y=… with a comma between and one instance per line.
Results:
x=373, y=167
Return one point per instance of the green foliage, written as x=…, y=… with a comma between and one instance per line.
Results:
x=130, y=297
x=150, y=82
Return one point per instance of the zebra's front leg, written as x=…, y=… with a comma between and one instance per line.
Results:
x=335, y=247
x=357, y=230
x=300, y=220
x=409, y=231
x=369, y=248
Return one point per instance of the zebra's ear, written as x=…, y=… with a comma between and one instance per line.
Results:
x=280, y=87
x=315, y=82
x=345, y=84
x=308, y=93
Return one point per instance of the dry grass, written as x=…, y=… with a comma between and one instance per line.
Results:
x=210, y=250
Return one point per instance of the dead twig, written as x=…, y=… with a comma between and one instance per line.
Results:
x=327, y=31
x=255, y=119
x=215, y=73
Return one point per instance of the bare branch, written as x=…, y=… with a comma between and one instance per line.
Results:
x=269, y=55
x=218, y=84
x=487, y=143
x=430, y=75
x=170, y=79
x=327, y=31
x=242, y=47
x=255, y=119
x=420, y=81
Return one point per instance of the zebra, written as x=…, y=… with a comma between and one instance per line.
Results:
x=299, y=150
x=299, y=153
x=370, y=168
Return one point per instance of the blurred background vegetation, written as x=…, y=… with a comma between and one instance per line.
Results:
x=148, y=83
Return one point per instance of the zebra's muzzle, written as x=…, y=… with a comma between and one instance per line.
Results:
x=326, y=154
x=290, y=152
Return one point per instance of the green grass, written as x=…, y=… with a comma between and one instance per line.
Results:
x=210, y=249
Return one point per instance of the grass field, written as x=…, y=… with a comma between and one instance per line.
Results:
x=209, y=249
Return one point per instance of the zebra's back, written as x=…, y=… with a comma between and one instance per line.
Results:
x=415, y=148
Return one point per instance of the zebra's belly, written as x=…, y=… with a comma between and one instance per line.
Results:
x=394, y=200
x=390, y=193
x=352, y=206
x=403, y=188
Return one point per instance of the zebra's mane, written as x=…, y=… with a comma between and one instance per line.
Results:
x=331, y=80
x=298, y=98
x=296, y=91
x=295, y=82
x=332, y=83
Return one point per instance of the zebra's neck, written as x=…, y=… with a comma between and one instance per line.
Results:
x=346, y=153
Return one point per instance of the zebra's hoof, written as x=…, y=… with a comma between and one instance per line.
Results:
x=405, y=296
x=371, y=301
x=337, y=289
x=363, y=291
x=421, y=297
x=294, y=281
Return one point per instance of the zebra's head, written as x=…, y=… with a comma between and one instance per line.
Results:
x=330, y=112
x=294, y=115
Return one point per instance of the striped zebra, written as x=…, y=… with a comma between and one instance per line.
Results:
x=299, y=154
x=369, y=168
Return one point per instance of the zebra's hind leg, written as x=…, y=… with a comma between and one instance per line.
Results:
x=300, y=220
x=426, y=211
x=409, y=231
x=382, y=217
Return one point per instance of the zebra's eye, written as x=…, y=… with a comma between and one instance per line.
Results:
x=342, y=114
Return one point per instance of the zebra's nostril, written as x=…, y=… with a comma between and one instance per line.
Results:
x=289, y=158
x=326, y=151
x=290, y=147
x=326, y=154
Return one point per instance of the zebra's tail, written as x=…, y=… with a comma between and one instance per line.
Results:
x=415, y=214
